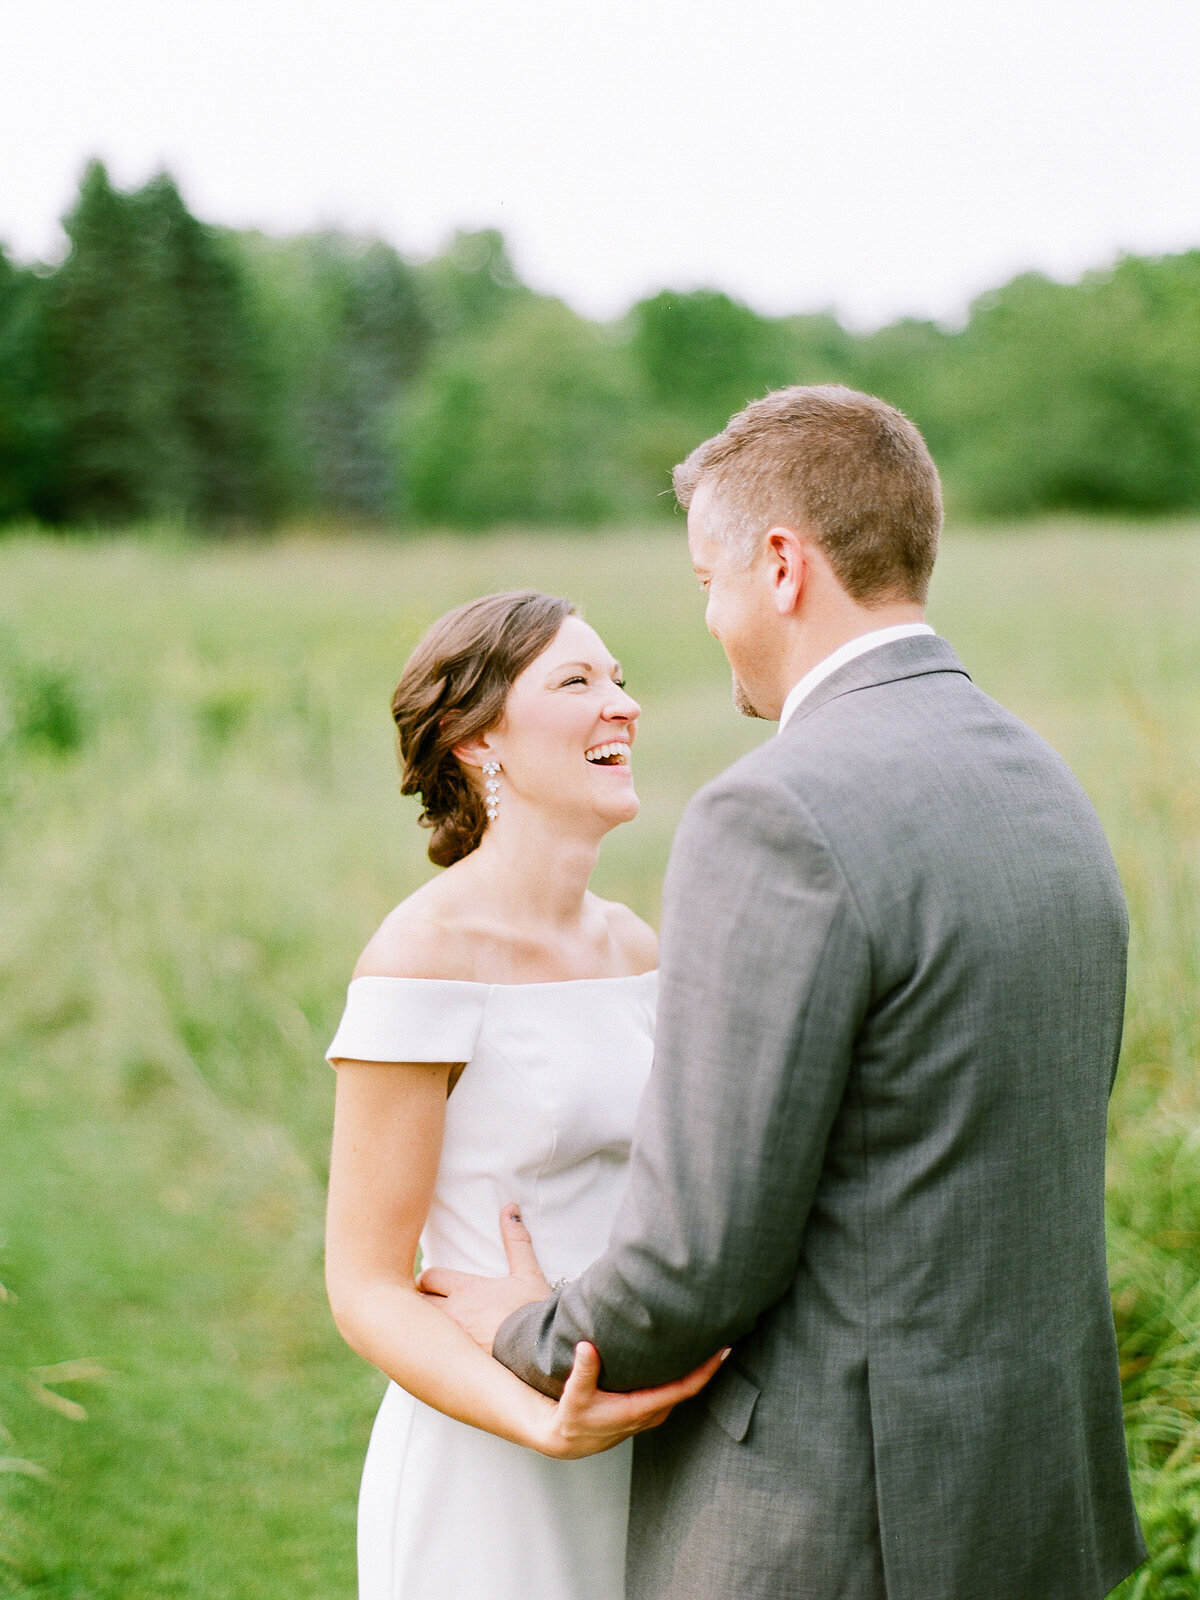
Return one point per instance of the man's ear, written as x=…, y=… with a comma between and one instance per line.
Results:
x=787, y=555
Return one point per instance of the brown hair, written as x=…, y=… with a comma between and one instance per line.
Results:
x=849, y=468
x=453, y=688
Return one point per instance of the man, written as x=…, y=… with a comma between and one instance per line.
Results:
x=871, y=1157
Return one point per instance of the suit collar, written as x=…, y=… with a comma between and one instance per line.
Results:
x=886, y=663
x=857, y=646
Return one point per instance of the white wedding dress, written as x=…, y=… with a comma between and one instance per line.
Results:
x=543, y=1115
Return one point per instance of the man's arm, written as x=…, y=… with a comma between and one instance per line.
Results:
x=765, y=980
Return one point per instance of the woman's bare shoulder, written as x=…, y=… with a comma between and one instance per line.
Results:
x=419, y=938
x=636, y=939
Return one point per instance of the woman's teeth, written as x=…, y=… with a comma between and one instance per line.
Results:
x=616, y=755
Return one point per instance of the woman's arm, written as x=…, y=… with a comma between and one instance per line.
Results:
x=387, y=1139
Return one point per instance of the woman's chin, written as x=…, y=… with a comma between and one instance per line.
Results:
x=628, y=807
x=619, y=808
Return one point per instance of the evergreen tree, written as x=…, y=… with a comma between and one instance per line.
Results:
x=348, y=332
x=212, y=430
x=109, y=397
x=152, y=365
x=25, y=420
x=376, y=336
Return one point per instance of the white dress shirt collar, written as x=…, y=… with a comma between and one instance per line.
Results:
x=839, y=658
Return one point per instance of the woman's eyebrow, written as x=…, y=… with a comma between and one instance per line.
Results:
x=588, y=666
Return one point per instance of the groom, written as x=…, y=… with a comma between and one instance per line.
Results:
x=871, y=1155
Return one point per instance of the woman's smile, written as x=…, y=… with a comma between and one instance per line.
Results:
x=613, y=754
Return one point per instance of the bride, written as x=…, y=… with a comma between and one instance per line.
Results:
x=496, y=1039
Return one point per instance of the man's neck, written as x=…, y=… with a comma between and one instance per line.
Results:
x=816, y=641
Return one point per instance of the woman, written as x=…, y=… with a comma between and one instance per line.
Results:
x=496, y=1039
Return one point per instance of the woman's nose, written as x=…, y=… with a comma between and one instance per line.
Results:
x=625, y=709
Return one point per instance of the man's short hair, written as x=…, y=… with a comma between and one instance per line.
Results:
x=847, y=468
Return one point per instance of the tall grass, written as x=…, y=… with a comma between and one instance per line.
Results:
x=199, y=826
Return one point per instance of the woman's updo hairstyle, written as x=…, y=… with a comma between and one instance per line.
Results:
x=454, y=688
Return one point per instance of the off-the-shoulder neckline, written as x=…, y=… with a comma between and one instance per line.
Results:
x=473, y=983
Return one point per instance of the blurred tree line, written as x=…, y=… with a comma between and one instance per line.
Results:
x=169, y=370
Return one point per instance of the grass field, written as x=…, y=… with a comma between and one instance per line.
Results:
x=199, y=827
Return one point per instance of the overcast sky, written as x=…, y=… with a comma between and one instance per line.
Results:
x=878, y=156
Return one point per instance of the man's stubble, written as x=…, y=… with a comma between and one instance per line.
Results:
x=743, y=702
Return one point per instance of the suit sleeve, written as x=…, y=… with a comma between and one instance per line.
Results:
x=765, y=978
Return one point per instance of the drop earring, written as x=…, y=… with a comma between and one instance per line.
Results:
x=491, y=789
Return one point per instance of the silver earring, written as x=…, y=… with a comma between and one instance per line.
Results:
x=491, y=789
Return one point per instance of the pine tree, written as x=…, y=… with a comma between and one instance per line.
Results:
x=153, y=365
x=348, y=330
x=212, y=429
x=108, y=389
x=375, y=337
x=25, y=423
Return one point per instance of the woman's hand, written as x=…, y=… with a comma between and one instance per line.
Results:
x=480, y=1305
x=587, y=1419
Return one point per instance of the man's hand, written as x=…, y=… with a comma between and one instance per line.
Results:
x=480, y=1305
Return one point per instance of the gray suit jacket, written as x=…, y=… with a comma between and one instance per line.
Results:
x=871, y=1158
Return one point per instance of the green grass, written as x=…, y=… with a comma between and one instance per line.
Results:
x=199, y=827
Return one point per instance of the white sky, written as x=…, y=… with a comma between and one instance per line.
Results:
x=878, y=156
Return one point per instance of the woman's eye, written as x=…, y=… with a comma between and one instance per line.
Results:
x=569, y=681
x=620, y=682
